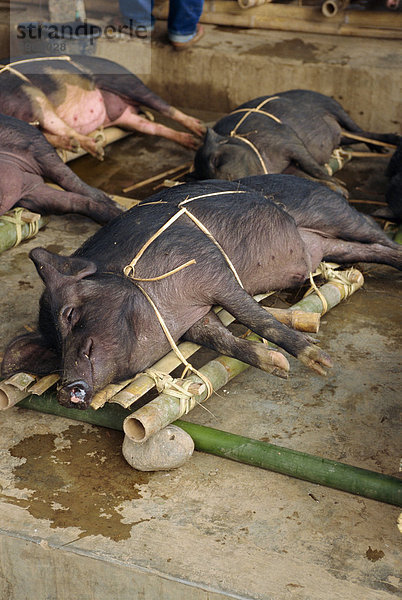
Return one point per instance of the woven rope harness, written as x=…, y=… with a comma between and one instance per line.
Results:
x=187, y=399
x=247, y=112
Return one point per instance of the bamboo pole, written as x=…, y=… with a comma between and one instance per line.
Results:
x=301, y=465
x=22, y=385
x=162, y=175
x=307, y=19
x=165, y=409
x=398, y=235
x=8, y=228
x=110, y=134
x=308, y=467
x=360, y=138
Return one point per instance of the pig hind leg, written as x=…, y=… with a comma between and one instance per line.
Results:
x=46, y=200
x=130, y=119
x=349, y=252
x=248, y=312
x=210, y=332
x=347, y=123
x=59, y=133
x=134, y=92
x=54, y=168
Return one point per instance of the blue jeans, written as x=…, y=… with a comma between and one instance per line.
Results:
x=182, y=21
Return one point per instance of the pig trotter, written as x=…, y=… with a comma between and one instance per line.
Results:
x=315, y=359
x=210, y=332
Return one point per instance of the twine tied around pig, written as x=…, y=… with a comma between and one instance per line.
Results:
x=18, y=217
x=129, y=272
x=247, y=112
x=346, y=281
x=10, y=66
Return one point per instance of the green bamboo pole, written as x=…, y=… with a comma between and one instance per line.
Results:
x=246, y=450
x=398, y=235
x=8, y=232
x=111, y=415
x=296, y=464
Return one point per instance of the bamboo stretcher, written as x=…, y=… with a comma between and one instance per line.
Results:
x=167, y=407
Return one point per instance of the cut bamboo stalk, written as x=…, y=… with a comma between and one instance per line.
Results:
x=363, y=201
x=43, y=384
x=297, y=319
x=315, y=469
x=299, y=18
x=21, y=385
x=398, y=236
x=360, y=138
x=164, y=409
x=308, y=467
x=354, y=153
x=251, y=3
x=111, y=134
x=162, y=175
x=9, y=395
x=14, y=389
x=8, y=228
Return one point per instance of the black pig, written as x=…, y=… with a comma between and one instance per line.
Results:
x=297, y=128
x=72, y=97
x=393, y=194
x=96, y=325
x=26, y=157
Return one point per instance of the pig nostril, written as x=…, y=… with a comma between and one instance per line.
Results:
x=77, y=391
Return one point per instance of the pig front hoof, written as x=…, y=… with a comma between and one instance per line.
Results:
x=75, y=395
x=316, y=359
x=274, y=362
x=105, y=212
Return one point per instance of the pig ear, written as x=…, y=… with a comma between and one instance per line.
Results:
x=53, y=268
x=212, y=138
x=29, y=354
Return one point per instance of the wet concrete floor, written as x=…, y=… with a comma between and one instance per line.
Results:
x=78, y=522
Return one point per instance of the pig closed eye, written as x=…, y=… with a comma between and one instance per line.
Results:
x=69, y=316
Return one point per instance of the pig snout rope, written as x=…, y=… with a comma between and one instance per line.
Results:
x=129, y=271
x=248, y=112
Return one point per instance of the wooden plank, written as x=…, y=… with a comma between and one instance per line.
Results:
x=290, y=17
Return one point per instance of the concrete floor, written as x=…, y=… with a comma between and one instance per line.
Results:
x=77, y=522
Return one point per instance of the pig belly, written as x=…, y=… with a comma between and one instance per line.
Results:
x=83, y=110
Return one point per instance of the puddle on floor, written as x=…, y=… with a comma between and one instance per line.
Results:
x=77, y=479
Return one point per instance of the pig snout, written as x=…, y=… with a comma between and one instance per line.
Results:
x=77, y=394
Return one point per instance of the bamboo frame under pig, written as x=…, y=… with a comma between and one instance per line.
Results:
x=165, y=409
